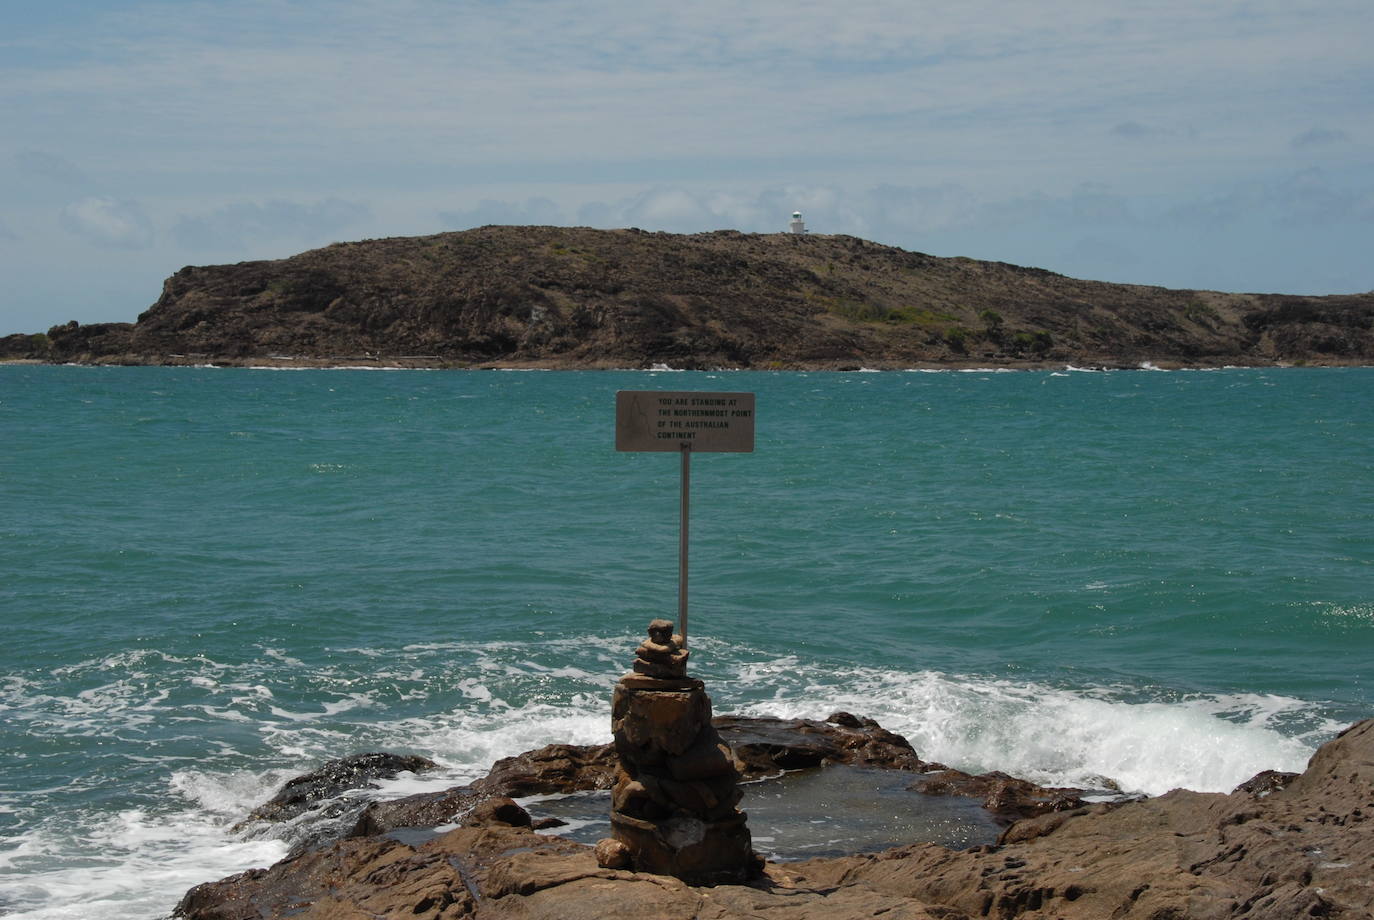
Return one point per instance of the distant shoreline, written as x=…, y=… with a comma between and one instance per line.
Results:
x=570, y=298
x=439, y=364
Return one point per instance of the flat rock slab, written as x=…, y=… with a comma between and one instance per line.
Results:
x=833, y=810
x=763, y=747
x=1302, y=849
x=495, y=873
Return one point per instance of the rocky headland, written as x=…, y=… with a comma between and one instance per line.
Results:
x=1280, y=846
x=580, y=298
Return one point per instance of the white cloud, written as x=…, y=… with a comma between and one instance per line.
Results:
x=1306, y=198
x=880, y=81
x=1310, y=198
x=885, y=212
x=1087, y=205
x=977, y=125
x=115, y=223
x=538, y=211
x=670, y=208
x=241, y=223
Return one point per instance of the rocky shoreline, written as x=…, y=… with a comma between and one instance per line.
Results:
x=578, y=298
x=1280, y=846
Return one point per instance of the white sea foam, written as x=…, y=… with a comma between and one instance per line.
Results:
x=1347, y=615
x=1068, y=737
x=1052, y=735
x=506, y=697
x=132, y=865
x=327, y=709
x=469, y=743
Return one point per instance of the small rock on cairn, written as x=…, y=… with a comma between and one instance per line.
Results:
x=673, y=809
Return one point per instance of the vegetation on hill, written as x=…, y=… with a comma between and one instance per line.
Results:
x=577, y=297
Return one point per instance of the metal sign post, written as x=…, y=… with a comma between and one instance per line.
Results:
x=685, y=422
x=684, y=515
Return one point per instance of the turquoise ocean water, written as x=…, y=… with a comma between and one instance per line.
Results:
x=213, y=579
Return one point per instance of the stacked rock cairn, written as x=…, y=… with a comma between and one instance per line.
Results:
x=674, y=806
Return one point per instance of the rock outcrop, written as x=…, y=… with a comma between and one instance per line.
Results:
x=762, y=747
x=1302, y=850
x=576, y=297
x=556, y=768
x=357, y=771
x=1268, y=851
x=314, y=808
x=765, y=746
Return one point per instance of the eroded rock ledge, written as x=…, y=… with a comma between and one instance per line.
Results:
x=1278, y=847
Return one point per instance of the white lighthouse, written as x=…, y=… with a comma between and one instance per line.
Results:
x=796, y=225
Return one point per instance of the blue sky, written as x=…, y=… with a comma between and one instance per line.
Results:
x=1221, y=144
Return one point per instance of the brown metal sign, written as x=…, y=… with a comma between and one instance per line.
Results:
x=684, y=423
x=691, y=420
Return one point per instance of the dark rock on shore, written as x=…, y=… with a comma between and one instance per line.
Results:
x=762, y=747
x=425, y=809
x=575, y=297
x=314, y=809
x=1298, y=850
x=1301, y=850
x=1265, y=782
x=554, y=768
x=336, y=776
x=766, y=746
x=1005, y=796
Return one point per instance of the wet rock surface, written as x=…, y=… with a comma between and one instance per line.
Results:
x=1302, y=850
x=316, y=808
x=761, y=746
x=555, y=768
x=1005, y=796
x=358, y=771
x=765, y=746
x=826, y=811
